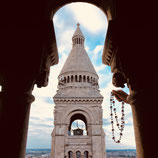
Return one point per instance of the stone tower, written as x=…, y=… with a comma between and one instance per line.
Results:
x=78, y=98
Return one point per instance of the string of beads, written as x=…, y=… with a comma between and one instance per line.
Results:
x=121, y=125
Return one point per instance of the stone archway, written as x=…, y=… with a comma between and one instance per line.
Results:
x=77, y=116
x=30, y=27
x=82, y=113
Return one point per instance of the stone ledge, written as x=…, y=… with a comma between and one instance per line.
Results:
x=78, y=100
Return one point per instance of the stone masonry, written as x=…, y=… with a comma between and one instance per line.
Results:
x=78, y=97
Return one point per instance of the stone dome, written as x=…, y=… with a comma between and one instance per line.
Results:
x=78, y=59
x=78, y=78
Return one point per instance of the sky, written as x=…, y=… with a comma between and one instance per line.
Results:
x=93, y=24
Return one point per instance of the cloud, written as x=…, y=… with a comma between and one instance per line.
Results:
x=96, y=54
x=106, y=122
x=39, y=134
x=98, y=48
x=59, y=23
x=63, y=34
x=34, y=118
x=100, y=68
x=86, y=48
x=48, y=100
x=39, y=139
x=65, y=42
x=89, y=16
x=43, y=125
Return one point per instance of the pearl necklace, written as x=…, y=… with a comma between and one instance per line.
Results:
x=120, y=126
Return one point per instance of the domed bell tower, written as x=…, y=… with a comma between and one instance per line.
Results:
x=78, y=131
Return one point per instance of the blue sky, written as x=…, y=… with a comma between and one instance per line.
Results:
x=94, y=25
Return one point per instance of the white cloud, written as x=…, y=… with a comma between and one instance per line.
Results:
x=89, y=16
x=100, y=68
x=64, y=40
x=104, y=79
x=63, y=34
x=98, y=48
x=86, y=48
x=59, y=23
x=97, y=53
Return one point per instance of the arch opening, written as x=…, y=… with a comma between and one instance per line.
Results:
x=76, y=78
x=72, y=79
x=80, y=78
x=68, y=79
x=86, y=154
x=78, y=154
x=78, y=125
x=70, y=154
x=84, y=78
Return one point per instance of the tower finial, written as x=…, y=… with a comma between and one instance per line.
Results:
x=78, y=24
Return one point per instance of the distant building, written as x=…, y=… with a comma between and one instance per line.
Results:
x=78, y=98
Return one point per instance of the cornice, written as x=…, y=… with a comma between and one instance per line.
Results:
x=78, y=100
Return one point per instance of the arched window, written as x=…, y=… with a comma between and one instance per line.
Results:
x=70, y=154
x=80, y=78
x=86, y=154
x=78, y=154
x=75, y=78
x=64, y=79
x=91, y=80
x=68, y=79
x=88, y=79
x=72, y=78
x=78, y=125
x=84, y=78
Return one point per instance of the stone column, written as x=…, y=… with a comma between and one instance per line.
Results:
x=132, y=100
x=74, y=155
x=15, y=104
x=144, y=119
x=14, y=117
x=82, y=155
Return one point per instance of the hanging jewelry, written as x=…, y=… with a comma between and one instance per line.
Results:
x=121, y=125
